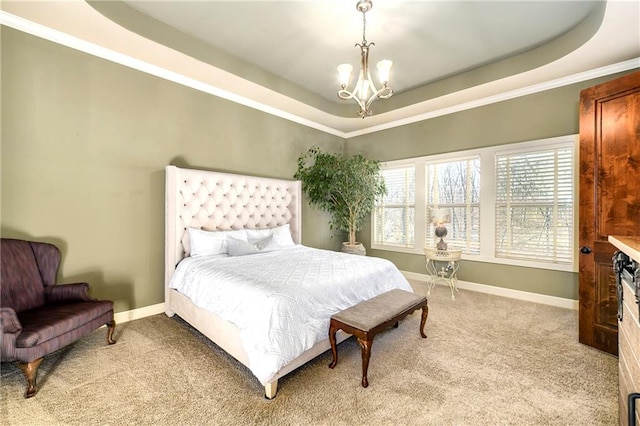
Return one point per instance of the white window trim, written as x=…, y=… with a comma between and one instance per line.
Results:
x=487, y=200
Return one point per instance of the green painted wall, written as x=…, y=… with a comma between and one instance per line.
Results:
x=84, y=146
x=542, y=115
x=85, y=141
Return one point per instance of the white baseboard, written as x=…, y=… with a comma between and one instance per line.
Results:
x=560, y=302
x=134, y=314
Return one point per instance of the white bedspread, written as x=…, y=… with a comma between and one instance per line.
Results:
x=282, y=301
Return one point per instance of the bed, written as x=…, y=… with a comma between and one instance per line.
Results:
x=215, y=203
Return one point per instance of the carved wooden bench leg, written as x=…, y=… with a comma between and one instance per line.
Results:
x=423, y=321
x=30, y=370
x=332, y=341
x=366, y=355
x=111, y=326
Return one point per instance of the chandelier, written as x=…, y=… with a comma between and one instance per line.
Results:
x=365, y=92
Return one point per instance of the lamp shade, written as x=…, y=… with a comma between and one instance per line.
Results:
x=344, y=73
x=384, y=70
x=441, y=215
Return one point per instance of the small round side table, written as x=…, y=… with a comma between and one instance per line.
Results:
x=442, y=265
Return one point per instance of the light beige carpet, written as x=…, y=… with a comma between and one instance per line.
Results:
x=487, y=361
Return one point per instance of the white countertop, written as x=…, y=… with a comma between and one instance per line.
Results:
x=629, y=245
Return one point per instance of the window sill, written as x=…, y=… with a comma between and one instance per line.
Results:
x=486, y=259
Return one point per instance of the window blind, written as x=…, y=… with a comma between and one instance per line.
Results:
x=455, y=185
x=394, y=216
x=534, y=205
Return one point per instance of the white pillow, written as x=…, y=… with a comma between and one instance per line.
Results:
x=240, y=248
x=282, y=234
x=206, y=243
x=254, y=235
x=268, y=244
x=238, y=234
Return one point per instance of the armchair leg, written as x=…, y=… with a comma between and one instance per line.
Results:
x=30, y=370
x=111, y=326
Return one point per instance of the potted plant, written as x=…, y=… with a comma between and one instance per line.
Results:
x=345, y=186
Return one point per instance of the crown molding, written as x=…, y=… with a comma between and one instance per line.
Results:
x=78, y=26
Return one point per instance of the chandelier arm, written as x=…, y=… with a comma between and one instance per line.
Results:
x=346, y=95
x=372, y=86
x=363, y=107
x=384, y=93
x=370, y=101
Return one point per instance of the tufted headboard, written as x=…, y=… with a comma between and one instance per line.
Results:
x=216, y=201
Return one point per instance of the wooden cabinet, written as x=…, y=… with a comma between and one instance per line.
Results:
x=629, y=329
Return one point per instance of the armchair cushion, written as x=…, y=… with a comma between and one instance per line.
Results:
x=50, y=321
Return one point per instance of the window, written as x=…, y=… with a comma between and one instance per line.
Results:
x=510, y=204
x=455, y=185
x=394, y=217
x=534, y=205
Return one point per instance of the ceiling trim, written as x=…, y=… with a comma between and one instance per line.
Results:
x=136, y=52
x=93, y=49
x=505, y=96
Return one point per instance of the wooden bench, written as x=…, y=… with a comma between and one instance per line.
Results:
x=370, y=317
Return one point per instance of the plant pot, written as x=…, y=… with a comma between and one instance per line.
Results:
x=358, y=248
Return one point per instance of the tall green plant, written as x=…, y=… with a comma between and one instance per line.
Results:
x=345, y=186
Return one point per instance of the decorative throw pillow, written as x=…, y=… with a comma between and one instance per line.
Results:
x=237, y=247
x=268, y=244
x=242, y=248
x=255, y=235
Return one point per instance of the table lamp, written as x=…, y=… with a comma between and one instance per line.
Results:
x=439, y=217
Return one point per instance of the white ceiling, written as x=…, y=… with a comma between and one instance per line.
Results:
x=304, y=41
x=280, y=56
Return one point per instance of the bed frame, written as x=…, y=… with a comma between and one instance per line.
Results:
x=216, y=201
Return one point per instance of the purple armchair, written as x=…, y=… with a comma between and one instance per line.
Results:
x=38, y=317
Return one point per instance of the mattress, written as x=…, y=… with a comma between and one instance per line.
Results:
x=282, y=301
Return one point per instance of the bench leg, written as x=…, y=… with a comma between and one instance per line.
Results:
x=334, y=349
x=366, y=354
x=425, y=313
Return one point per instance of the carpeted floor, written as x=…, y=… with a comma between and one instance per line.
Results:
x=487, y=361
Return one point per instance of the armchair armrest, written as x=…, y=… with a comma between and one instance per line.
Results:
x=9, y=322
x=10, y=328
x=77, y=292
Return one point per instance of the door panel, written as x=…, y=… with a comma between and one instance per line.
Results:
x=609, y=199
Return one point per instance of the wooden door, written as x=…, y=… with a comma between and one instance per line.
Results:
x=609, y=199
